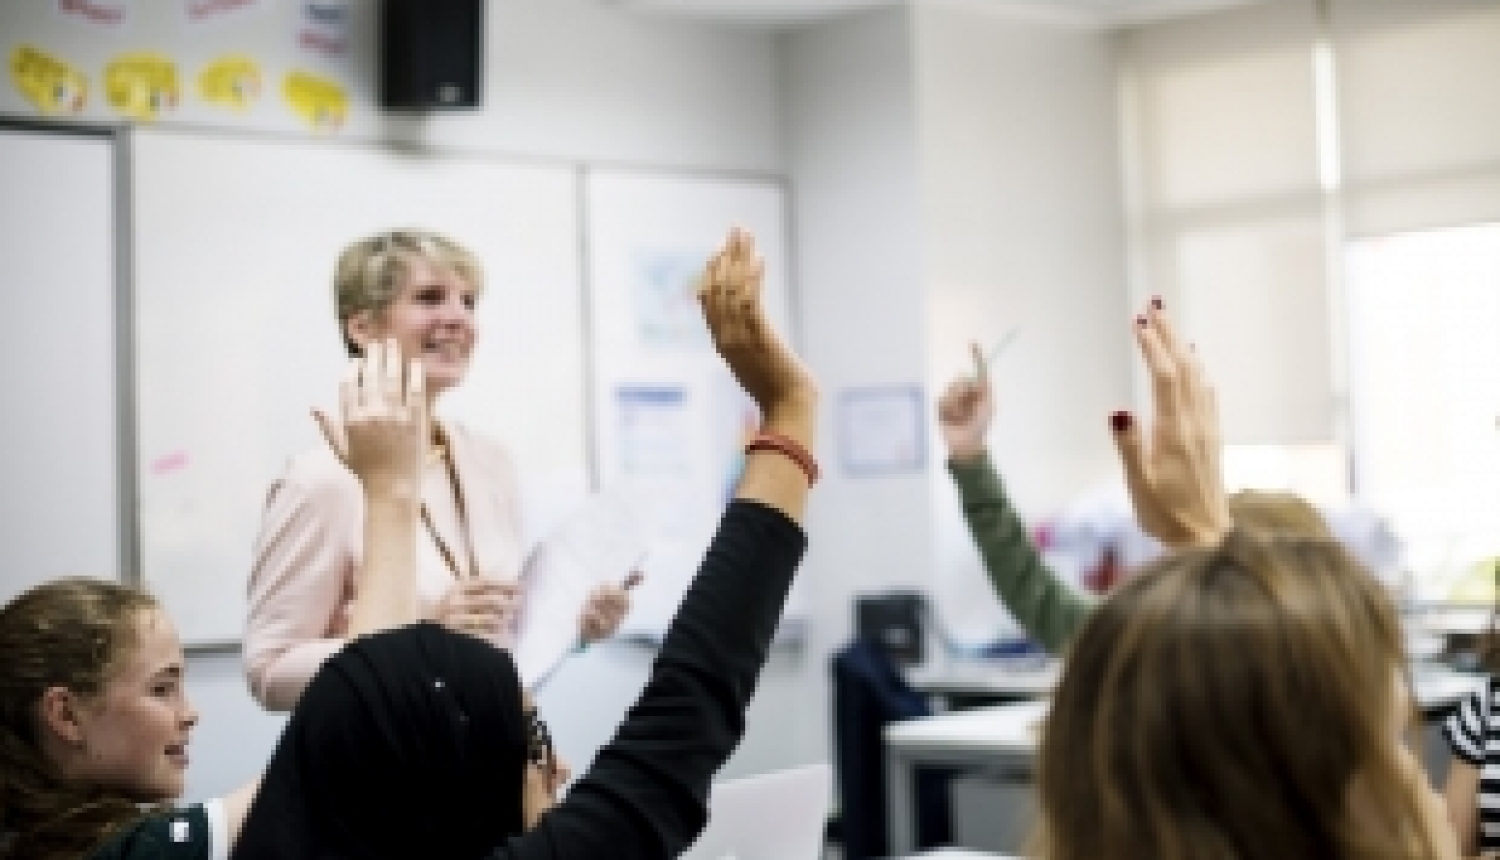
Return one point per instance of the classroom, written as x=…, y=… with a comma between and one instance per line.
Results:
x=1310, y=189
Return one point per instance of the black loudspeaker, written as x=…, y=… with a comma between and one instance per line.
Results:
x=431, y=53
x=894, y=621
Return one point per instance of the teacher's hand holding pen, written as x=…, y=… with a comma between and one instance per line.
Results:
x=605, y=610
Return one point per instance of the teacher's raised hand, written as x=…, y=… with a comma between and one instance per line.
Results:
x=779, y=464
x=1173, y=474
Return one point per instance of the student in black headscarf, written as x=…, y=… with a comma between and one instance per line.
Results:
x=419, y=742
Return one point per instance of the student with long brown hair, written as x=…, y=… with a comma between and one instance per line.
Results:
x=1246, y=696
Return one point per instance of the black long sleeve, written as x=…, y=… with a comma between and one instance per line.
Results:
x=646, y=795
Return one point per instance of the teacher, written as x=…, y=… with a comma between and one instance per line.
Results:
x=418, y=289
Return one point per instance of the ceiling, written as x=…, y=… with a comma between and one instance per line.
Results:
x=790, y=13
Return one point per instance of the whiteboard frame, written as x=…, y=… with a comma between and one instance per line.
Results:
x=117, y=136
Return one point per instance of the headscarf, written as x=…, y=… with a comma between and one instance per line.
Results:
x=407, y=743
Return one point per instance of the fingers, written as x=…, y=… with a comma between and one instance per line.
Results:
x=1165, y=330
x=370, y=375
x=604, y=611
x=416, y=392
x=1165, y=375
x=349, y=389
x=333, y=433
x=392, y=374
x=488, y=596
x=478, y=586
x=1203, y=403
x=561, y=773
x=963, y=405
x=1132, y=450
x=479, y=623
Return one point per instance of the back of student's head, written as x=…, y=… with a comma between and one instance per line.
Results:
x=69, y=633
x=1270, y=512
x=1229, y=703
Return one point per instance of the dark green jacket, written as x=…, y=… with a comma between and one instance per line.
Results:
x=1047, y=608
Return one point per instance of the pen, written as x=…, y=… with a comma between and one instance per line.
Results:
x=997, y=349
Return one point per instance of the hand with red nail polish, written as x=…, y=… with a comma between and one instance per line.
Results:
x=1173, y=473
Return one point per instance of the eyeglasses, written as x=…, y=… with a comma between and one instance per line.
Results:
x=539, y=749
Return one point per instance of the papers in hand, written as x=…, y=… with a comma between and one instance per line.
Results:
x=600, y=544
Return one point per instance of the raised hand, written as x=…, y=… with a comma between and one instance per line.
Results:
x=384, y=428
x=965, y=411
x=729, y=292
x=1175, y=480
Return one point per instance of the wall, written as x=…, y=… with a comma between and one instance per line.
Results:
x=852, y=159
x=1022, y=229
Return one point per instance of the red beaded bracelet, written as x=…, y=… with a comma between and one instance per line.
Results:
x=764, y=441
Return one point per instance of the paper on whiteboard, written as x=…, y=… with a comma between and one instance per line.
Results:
x=599, y=544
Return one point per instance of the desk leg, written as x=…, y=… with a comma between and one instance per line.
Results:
x=901, y=803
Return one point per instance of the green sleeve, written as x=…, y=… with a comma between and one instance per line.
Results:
x=1049, y=609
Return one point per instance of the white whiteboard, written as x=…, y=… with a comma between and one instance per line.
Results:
x=670, y=419
x=59, y=510
x=235, y=244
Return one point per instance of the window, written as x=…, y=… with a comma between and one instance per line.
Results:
x=1424, y=340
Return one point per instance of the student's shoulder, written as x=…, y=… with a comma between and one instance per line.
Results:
x=190, y=833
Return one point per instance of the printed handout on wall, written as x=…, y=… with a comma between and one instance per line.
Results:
x=323, y=27
x=665, y=297
x=50, y=84
x=655, y=429
x=880, y=430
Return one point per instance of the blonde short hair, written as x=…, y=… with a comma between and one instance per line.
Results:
x=369, y=271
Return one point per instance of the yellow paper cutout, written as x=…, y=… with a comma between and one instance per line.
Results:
x=142, y=85
x=320, y=102
x=232, y=81
x=51, y=85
